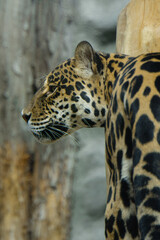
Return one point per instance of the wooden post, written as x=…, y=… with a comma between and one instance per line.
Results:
x=138, y=29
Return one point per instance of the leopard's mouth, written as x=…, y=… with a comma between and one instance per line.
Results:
x=50, y=133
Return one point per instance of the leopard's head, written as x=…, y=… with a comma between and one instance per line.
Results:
x=71, y=97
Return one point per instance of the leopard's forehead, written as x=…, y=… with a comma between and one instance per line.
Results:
x=62, y=74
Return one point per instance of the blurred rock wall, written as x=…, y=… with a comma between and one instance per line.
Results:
x=95, y=21
x=35, y=36
x=35, y=179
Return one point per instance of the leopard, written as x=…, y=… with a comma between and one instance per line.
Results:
x=121, y=94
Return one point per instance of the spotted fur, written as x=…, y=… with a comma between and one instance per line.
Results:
x=121, y=94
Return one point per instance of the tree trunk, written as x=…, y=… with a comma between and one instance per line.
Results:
x=138, y=28
x=35, y=180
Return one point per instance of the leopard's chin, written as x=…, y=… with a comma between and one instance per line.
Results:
x=41, y=138
x=50, y=134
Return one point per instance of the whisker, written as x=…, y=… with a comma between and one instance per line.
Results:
x=70, y=128
x=64, y=133
x=37, y=129
x=56, y=129
x=55, y=133
x=50, y=137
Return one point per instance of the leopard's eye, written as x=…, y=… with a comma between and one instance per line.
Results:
x=52, y=88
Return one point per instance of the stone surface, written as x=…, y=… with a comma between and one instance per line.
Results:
x=89, y=190
x=35, y=179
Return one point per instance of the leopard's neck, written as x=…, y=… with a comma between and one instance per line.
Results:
x=113, y=65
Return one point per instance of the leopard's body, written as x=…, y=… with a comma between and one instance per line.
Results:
x=121, y=94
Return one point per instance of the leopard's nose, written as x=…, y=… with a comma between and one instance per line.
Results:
x=26, y=116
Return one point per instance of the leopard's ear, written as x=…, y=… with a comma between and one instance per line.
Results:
x=84, y=55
